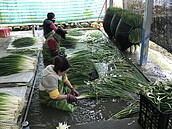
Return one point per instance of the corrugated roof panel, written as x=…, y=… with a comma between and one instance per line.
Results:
x=35, y=11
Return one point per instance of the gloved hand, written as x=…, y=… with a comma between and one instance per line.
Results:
x=62, y=33
x=54, y=53
x=71, y=98
x=65, y=31
x=74, y=92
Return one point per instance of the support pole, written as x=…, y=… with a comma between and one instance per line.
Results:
x=124, y=4
x=33, y=30
x=110, y=3
x=146, y=31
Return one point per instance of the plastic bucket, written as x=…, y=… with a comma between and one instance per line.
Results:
x=106, y=24
x=114, y=23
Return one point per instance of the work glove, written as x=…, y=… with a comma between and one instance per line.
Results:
x=74, y=92
x=65, y=31
x=71, y=98
x=54, y=53
x=62, y=33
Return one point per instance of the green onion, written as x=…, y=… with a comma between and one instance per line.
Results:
x=86, y=96
x=69, y=42
x=10, y=106
x=75, y=32
x=13, y=64
x=135, y=36
x=129, y=110
x=132, y=18
x=24, y=42
x=113, y=10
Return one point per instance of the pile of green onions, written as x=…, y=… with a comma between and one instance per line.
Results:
x=69, y=42
x=75, y=32
x=8, y=126
x=24, y=42
x=81, y=67
x=10, y=106
x=122, y=81
x=127, y=111
x=13, y=64
x=160, y=93
x=32, y=51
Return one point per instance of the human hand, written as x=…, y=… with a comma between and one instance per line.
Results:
x=61, y=33
x=74, y=92
x=65, y=31
x=71, y=98
x=55, y=53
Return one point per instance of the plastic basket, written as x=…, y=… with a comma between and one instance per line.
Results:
x=152, y=118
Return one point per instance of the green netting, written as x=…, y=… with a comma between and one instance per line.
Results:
x=35, y=11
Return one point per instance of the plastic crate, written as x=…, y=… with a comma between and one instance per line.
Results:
x=4, y=32
x=152, y=118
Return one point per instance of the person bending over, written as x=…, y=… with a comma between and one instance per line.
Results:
x=49, y=25
x=51, y=46
x=55, y=89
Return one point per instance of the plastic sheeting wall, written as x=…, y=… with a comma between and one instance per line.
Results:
x=35, y=11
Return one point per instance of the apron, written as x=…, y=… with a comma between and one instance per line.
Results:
x=47, y=35
x=59, y=104
x=48, y=56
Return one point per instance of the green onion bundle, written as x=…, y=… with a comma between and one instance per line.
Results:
x=8, y=126
x=69, y=42
x=113, y=10
x=92, y=37
x=24, y=42
x=131, y=109
x=124, y=87
x=81, y=67
x=13, y=64
x=25, y=51
x=132, y=18
x=75, y=32
x=10, y=106
x=135, y=36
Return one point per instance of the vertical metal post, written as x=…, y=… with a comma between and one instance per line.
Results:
x=33, y=30
x=146, y=31
x=110, y=3
x=124, y=4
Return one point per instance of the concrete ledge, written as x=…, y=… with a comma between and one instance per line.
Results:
x=128, y=123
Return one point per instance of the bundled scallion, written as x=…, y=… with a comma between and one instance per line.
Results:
x=81, y=67
x=13, y=64
x=113, y=10
x=8, y=126
x=24, y=42
x=132, y=18
x=75, y=32
x=10, y=106
x=69, y=42
x=129, y=110
x=25, y=51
